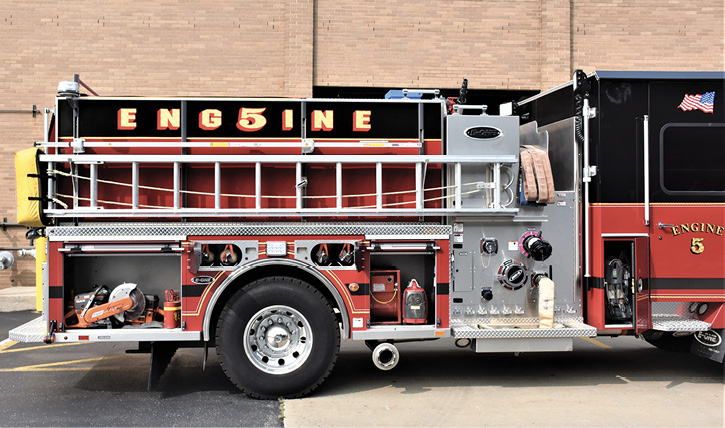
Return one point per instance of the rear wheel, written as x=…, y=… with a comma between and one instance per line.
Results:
x=277, y=337
x=669, y=341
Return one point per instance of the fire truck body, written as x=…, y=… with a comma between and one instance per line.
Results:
x=655, y=201
x=285, y=225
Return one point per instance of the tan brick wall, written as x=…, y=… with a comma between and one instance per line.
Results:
x=680, y=35
x=495, y=44
x=556, y=40
x=298, y=48
x=284, y=47
x=223, y=48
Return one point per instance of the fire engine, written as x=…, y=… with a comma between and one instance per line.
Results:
x=270, y=229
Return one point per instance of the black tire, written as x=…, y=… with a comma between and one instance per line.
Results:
x=668, y=341
x=301, y=338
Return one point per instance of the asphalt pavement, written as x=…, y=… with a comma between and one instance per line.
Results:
x=99, y=384
x=607, y=382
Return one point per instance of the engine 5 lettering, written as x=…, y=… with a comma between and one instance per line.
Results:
x=697, y=228
x=247, y=120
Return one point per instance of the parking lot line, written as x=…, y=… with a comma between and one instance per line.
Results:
x=5, y=344
x=4, y=350
x=596, y=342
x=54, y=366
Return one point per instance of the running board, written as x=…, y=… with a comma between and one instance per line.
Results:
x=678, y=323
x=31, y=332
x=563, y=328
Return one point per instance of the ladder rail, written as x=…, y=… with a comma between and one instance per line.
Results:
x=416, y=206
x=276, y=159
x=275, y=212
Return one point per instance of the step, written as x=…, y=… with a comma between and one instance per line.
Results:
x=678, y=323
x=563, y=327
x=31, y=332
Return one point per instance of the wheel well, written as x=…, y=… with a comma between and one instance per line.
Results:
x=264, y=271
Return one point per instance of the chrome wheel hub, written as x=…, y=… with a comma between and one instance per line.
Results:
x=278, y=339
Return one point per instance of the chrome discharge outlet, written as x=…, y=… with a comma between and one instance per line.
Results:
x=386, y=356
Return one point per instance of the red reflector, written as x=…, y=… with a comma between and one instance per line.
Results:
x=82, y=337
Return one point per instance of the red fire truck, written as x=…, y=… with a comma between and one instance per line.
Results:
x=270, y=229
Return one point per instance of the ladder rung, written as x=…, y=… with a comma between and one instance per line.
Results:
x=338, y=185
x=419, y=185
x=299, y=185
x=134, y=185
x=258, y=185
x=379, y=186
x=217, y=185
x=94, y=186
x=457, y=184
x=177, y=185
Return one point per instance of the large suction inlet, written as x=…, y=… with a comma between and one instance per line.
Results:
x=386, y=356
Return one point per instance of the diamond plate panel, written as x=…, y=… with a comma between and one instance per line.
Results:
x=111, y=230
x=677, y=323
x=495, y=321
x=679, y=309
x=569, y=328
x=30, y=332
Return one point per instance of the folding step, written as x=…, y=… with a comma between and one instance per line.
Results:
x=678, y=323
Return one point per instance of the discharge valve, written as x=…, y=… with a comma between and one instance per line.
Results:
x=533, y=246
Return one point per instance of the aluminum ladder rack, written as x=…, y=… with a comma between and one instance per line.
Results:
x=490, y=185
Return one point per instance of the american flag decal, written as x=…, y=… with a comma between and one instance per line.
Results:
x=698, y=102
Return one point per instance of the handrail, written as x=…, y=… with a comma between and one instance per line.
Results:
x=646, y=170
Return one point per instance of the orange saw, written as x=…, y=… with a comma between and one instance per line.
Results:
x=126, y=302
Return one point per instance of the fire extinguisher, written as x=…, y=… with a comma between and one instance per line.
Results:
x=172, y=310
x=346, y=256
x=229, y=257
x=207, y=257
x=322, y=257
x=415, y=304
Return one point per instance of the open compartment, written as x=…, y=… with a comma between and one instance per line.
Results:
x=618, y=282
x=100, y=291
x=393, y=298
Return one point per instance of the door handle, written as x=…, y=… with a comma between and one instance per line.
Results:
x=663, y=225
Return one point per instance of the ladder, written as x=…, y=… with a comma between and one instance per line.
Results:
x=452, y=192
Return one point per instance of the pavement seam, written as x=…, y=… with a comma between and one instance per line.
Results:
x=281, y=409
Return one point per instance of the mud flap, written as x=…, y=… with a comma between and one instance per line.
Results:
x=709, y=344
x=161, y=355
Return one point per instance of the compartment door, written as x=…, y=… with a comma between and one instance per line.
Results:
x=641, y=284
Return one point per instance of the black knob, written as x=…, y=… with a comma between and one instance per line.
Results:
x=537, y=248
x=512, y=274
x=487, y=294
x=538, y=277
x=515, y=275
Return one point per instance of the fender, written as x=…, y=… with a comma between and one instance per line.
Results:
x=264, y=262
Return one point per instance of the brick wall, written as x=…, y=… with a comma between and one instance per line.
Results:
x=678, y=35
x=284, y=47
x=495, y=44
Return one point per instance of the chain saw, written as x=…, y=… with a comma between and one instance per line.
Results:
x=126, y=304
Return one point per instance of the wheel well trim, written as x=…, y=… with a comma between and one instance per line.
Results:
x=206, y=326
